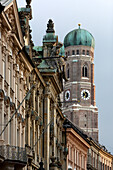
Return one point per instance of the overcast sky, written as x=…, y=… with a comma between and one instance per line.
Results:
x=96, y=16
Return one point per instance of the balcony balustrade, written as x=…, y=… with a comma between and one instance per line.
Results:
x=13, y=153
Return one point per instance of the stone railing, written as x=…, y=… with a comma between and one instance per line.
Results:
x=13, y=153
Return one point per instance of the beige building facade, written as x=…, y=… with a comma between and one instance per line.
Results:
x=98, y=157
x=77, y=145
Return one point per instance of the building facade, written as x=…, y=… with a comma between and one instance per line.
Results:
x=78, y=145
x=83, y=151
x=79, y=90
x=98, y=157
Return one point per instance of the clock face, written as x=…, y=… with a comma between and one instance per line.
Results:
x=85, y=94
x=67, y=95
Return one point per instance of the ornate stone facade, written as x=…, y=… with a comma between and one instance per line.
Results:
x=29, y=95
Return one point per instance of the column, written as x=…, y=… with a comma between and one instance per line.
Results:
x=55, y=130
x=28, y=130
x=73, y=156
x=85, y=161
x=1, y=62
x=39, y=109
x=34, y=117
x=1, y=121
x=47, y=132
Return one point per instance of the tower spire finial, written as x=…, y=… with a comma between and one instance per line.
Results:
x=79, y=25
x=50, y=27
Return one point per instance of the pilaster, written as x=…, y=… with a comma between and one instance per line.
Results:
x=2, y=121
x=46, y=125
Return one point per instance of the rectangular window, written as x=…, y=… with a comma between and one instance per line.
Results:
x=4, y=69
x=31, y=137
x=18, y=137
x=11, y=75
x=18, y=91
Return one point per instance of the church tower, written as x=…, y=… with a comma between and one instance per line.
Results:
x=79, y=90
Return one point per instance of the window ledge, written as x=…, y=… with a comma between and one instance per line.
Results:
x=85, y=78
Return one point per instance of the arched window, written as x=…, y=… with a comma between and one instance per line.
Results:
x=84, y=71
x=73, y=52
x=77, y=52
x=83, y=52
x=87, y=52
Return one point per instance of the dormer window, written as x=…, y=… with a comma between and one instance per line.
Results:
x=77, y=52
x=84, y=71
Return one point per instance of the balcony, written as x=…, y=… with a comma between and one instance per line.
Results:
x=13, y=153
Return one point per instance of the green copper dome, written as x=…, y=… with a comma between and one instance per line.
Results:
x=79, y=37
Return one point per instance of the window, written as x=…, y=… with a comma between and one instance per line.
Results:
x=11, y=77
x=68, y=53
x=77, y=52
x=18, y=136
x=84, y=71
x=73, y=52
x=83, y=52
x=68, y=71
x=4, y=65
x=87, y=52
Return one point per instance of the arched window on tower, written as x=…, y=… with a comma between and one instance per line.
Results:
x=68, y=74
x=84, y=71
x=83, y=52
x=77, y=52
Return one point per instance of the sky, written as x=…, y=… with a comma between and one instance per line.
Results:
x=96, y=16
